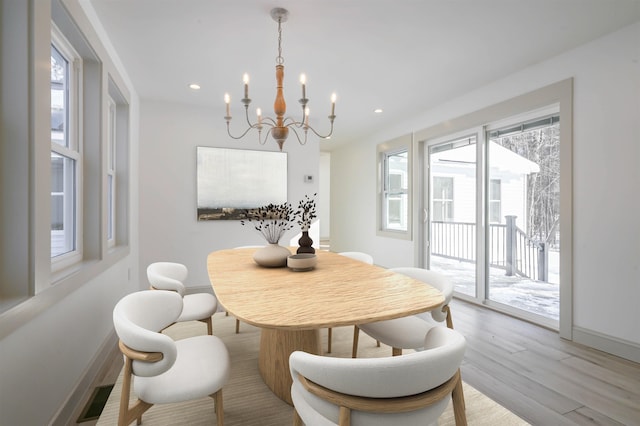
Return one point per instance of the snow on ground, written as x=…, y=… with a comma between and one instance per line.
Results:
x=542, y=298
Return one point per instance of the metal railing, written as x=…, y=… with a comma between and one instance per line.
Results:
x=510, y=248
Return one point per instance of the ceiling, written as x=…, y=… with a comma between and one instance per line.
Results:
x=402, y=56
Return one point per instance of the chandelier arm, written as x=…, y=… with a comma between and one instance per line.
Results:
x=295, y=132
x=246, y=113
x=270, y=121
x=318, y=134
x=266, y=136
x=255, y=126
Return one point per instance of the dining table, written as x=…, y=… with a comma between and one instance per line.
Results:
x=291, y=307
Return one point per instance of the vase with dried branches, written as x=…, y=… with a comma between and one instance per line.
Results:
x=272, y=221
x=306, y=213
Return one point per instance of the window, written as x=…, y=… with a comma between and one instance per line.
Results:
x=395, y=190
x=111, y=172
x=442, y=199
x=394, y=204
x=66, y=160
x=73, y=150
x=495, y=195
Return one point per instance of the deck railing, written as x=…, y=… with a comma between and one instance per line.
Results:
x=510, y=248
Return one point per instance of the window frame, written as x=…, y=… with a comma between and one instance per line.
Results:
x=383, y=152
x=73, y=149
x=111, y=176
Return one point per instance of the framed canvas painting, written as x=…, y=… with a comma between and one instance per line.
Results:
x=230, y=181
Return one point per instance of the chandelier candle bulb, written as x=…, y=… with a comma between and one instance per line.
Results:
x=303, y=81
x=245, y=80
x=333, y=103
x=259, y=114
x=306, y=116
x=227, y=100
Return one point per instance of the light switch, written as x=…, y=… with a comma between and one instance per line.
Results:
x=308, y=178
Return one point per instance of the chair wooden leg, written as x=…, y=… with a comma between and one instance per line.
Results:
x=217, y=400
x=237, y=326
x=458, y=403
x=356, y=335
x=209, y=326
x=127, y=415
x=377, y=343
x=396, y=351
x=449, y=320
x=344, y=418
x=329, y=338
x=297, y=421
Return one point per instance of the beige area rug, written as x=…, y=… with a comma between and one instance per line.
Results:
x=248, y=401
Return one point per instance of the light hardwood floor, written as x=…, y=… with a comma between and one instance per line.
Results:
x=532, y=372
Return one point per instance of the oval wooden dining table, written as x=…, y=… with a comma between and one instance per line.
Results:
x=291, y=307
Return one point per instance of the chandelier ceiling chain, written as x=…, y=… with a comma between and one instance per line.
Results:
x=279, y=127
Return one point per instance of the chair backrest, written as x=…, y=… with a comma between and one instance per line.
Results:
x=138, y=319
x=389, y=377
x=437, y=280
x=167, y=276
x=358, y=255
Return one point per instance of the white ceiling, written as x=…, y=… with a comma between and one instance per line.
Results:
x=401, y=56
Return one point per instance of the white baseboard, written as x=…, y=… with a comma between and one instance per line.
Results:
x=77, y=397
x=619, y=347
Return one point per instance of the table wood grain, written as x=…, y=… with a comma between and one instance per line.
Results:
x=292, y=306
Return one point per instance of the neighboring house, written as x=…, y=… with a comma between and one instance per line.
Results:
x=454, y=185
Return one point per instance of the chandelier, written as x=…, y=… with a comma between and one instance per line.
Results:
x=280, y=126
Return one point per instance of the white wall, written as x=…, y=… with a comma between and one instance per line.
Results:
x=169, y=230
x=606, y=178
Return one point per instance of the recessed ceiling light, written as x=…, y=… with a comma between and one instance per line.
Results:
x=378, y=110
x=194, y=86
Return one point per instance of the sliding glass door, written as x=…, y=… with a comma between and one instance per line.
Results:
x=523, y=164
x=492, y=214
x=452, y=207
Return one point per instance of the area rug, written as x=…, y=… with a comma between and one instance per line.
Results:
x=247, y=400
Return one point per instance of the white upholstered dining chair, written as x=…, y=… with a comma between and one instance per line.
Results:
x=171, y=276
x=362, y=257
x=411, y=389
x=160, y=369
x=408, y=332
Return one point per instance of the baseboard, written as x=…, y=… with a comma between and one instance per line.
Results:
x=76, y=399
x=618, y=347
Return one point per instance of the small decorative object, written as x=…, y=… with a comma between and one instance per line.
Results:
x=302, y=262
x=306, y=212
x=272, y=221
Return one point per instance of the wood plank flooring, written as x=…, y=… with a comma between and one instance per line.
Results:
x=532, y=372
x=542, y=378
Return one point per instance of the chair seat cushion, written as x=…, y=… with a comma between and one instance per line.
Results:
x=404, y=333
x=198, y=306
x=201, y=369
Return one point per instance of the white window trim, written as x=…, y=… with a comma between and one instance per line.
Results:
x=111, y=170
x=400, y=144
x=74, y=151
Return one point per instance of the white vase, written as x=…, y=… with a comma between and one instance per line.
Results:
x=271, y=256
